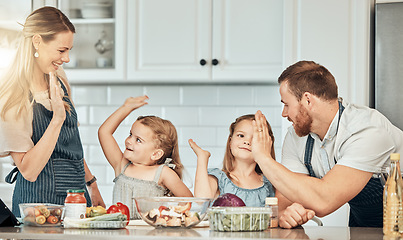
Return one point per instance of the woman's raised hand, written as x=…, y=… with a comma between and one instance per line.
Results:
x=261, y=142
x=56, y=99
x=135, y=102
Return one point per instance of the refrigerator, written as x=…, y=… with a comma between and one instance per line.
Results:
x=388, y=61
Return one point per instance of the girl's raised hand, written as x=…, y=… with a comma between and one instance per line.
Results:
x=261, y=142
x=202, y=155
x=135, y=102
x=56, y=99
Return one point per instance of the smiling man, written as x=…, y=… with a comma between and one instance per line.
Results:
x=331, y=155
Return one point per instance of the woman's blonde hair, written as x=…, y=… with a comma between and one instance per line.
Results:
x=15, y=85
x=166, y=138
x=228, y=163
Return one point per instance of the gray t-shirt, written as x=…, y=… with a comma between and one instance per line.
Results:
x=126, y=188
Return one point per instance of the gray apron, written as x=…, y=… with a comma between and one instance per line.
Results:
x=366, y=209
x=63, y=171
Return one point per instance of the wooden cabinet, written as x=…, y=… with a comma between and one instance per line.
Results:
x=204, y=40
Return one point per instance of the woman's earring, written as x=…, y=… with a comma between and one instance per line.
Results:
x=36, y=54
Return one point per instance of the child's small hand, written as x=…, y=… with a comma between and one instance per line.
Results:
x=200, y=153
x=136, y=102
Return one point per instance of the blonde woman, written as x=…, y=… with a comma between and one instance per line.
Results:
x=38, y=122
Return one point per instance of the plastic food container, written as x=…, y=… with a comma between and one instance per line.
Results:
x=78, y=223
x=236, y=219
x=41, y=214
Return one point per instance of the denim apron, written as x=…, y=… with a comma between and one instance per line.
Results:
x=366, y=209
x=65, y=168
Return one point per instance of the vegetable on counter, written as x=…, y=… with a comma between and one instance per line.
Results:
x=52, y=219
x=95, y=211
x=228, y=200
x=106, y=217
x=40, y=219
x=239, y=219
x=119, y=207
x=173, y=216
x=41, y=215
x=108, y=220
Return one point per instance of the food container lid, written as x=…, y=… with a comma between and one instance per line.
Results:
x=241, y=210
x=271, y=201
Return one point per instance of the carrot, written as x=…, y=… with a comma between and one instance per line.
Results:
x=40, y=219
x=37, y=212
x=45, y=212
x=52, y=219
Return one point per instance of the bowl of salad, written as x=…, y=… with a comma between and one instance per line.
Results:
x=172, y=212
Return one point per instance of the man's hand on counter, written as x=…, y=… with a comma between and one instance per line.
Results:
x=295, y=215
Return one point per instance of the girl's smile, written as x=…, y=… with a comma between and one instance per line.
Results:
x=140, y=144
x=245, y=148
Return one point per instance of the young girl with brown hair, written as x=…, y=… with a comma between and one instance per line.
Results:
x=240, y=174
x=150, y=165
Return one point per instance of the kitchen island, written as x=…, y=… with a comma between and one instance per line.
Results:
x=204, y=232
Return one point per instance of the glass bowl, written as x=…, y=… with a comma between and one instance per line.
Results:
x=174, y=212
x=41, y=214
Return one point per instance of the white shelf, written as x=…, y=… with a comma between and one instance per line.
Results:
x=92, y=20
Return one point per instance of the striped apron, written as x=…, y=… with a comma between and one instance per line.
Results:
x=63, y=171
x=366, y=209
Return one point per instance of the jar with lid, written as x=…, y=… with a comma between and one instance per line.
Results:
x=75, y=204
x=272, y=202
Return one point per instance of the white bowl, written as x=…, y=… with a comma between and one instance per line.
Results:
x=97, y=10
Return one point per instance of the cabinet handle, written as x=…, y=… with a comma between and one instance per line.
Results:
x=215, y=62
x=203, y=62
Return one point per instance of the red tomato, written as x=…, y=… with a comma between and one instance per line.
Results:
x=161, y=208
x=119, y=207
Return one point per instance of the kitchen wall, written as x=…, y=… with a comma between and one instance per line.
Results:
x=335, y=33
x=200, y=112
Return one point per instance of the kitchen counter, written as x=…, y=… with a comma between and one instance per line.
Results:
x=148, y=232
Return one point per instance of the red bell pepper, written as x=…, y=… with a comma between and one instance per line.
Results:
x=119, y=207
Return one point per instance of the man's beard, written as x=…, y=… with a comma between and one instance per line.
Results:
x=303, y=122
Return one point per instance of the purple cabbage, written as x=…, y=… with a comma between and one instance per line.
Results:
x=228, y=200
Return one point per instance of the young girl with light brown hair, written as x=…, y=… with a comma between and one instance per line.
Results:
x=150, y=165
x=240, y=174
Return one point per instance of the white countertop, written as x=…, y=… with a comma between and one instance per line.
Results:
x=141, y=231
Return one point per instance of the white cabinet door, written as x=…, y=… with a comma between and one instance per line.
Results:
x=240, y=41
x=247, y=40
x=87, y=65
x=167, y=40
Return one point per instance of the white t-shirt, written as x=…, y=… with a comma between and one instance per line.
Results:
x=364, y=141
x=15, y=135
